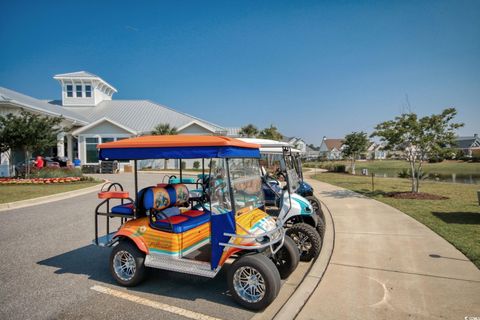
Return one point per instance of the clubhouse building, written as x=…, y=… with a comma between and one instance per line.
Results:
x=92, y=116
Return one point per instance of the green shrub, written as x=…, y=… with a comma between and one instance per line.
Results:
x=196, y=164
x=339, y=168
x=407, y=173
x=50, y=172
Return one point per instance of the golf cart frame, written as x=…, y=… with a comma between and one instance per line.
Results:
x=162, y=229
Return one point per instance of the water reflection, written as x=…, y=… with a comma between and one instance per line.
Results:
x=454, y=177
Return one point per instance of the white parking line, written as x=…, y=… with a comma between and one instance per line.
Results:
x=157, y=305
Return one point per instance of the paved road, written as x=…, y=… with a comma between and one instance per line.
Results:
x=48, y=267
x=386, y=265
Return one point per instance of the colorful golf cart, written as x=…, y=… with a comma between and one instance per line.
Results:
x=164, y=231
x=295, y=212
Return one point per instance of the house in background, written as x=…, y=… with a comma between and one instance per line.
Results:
x=331, y=149
x=296, y=143
x=376, y=151
x=311, y=154
x=470, y=146
x=306, y=152
x=92, y=116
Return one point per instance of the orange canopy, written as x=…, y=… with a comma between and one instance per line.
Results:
x=177, y=141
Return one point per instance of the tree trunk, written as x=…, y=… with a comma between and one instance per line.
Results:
x=11, y=160
x=165, y=164
x=27, y=164
x=353, y=166
x=413, y=177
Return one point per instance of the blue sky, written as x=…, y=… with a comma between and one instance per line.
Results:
x=311, y=68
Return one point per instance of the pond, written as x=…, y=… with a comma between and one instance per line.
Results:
x=453, y=177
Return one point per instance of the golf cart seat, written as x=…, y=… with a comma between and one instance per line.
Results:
x=128, y=208
x=165, y=214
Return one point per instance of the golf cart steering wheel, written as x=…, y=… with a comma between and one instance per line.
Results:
x=265, y=181
x=280, y=173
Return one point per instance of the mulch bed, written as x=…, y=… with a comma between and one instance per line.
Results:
x=415, y=196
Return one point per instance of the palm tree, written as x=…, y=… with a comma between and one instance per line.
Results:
x=271, y=133
x=164, y=129
x=249, y=131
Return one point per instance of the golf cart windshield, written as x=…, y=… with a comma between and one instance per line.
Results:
x=245, y=181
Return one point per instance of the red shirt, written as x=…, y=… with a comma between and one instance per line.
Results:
x=39, y=163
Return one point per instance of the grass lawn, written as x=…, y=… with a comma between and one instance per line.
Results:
x=12, y=192
x=456, y=219
x=444, y=167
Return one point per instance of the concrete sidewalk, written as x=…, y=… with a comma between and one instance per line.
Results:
x=386, y=265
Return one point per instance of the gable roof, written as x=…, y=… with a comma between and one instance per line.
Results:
x=333, y=143
x=96, y=123
x=8, y=96
x=140, y=115
x=467, y=142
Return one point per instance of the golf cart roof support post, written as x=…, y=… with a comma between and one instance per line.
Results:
x=232, y=199
x=203, y=168
x=180, y=162
x=285, y=150
x=135, y=177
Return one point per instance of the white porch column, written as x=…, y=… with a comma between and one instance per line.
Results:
x=60, y=144
x=70, y=147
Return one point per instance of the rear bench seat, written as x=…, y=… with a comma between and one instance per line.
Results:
x=165, y=214
x=129, y=208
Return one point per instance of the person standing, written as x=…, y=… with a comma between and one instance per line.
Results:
x=39, y=163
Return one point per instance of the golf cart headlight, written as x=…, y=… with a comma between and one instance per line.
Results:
x=261, y=239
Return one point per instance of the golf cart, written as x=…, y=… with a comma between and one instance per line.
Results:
x=163, y=228
x=295, y=212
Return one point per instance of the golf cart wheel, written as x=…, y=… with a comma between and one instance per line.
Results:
x=287, y=257
x=321, y=227
x=127, y=264
x=253, y=281
x=316, y=205
x=307, y=239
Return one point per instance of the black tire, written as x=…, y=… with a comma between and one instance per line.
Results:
x=321, y=227
x=307, y=240
x=316, y=204
x=129, y=251
x=287, y=257
x=269, y=275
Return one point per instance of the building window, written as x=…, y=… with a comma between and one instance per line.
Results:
x=91, y=147
x=78, y=88
x=107, y=140
x=69, y=90
x=88, y=91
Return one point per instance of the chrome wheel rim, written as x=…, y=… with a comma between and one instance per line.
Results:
x=302, y=241
x=249, y=284
x=124, y=265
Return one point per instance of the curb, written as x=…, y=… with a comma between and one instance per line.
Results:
x=49, y=198
x=310, y=282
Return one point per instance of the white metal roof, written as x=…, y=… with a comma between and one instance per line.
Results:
x=138, y=115
x=82, y=75
x=270, y=146
x=23, y=101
